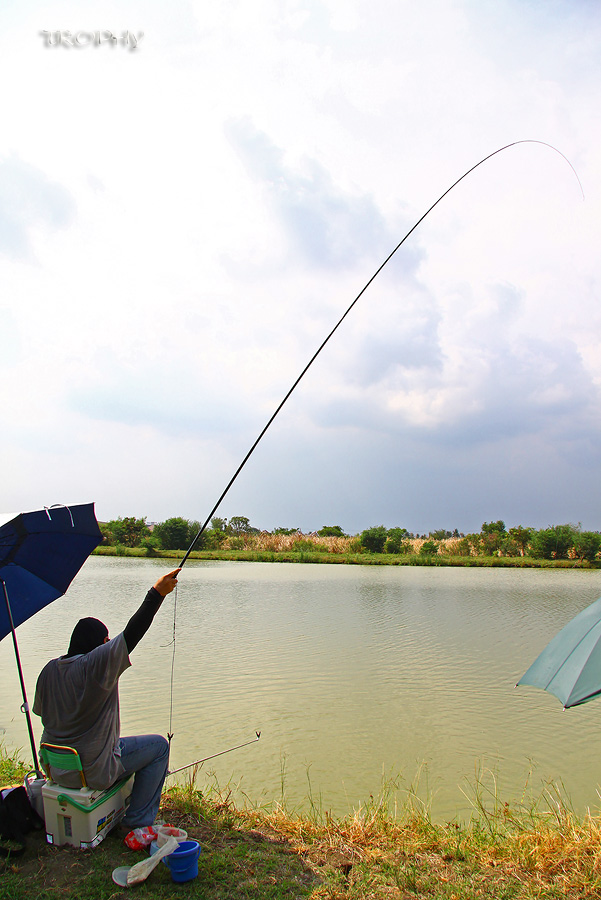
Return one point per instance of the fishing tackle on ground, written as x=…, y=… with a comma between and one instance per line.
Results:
x=343, y=317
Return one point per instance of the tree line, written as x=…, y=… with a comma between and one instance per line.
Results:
x=493, y=539
x=178, y=533
x=175, y=533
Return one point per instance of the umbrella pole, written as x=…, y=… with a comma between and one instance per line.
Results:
x=25, y=706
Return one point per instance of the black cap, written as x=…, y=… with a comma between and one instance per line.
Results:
x=87, y=635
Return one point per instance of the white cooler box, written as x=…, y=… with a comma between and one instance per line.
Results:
x=83, y=817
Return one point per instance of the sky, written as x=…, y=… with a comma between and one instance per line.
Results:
x=186, y=213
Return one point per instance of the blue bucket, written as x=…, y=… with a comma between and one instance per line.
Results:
x=183, y=862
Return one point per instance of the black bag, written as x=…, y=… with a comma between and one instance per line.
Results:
x=17, y=818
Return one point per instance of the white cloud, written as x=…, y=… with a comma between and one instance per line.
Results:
x=29, y=200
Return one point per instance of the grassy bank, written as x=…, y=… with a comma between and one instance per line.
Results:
x=374, y=854
x=348, y=558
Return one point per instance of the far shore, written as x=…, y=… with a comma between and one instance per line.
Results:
x=352, y=559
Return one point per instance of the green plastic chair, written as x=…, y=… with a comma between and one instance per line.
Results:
x=68, y=758
x=61, y=758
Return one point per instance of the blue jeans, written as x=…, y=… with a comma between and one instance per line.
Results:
x=148, y=756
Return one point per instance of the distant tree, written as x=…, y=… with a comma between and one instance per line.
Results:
x=210, y=540
x=493, y=537
x=517, y=541
x=497, y=527
x=331, y=531
x=240, y=525
x=464, y=546
x=399, y=533
x=281, y=530
x=397, y=541
x=176, y=533
x=193, y=529
x=587, y=545
x=553, y=542
x=128, y=531
x=214, y=536
x=440, y=535
x=373, y=539
x=469, y=545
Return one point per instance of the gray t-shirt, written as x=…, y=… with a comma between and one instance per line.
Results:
x=78, y=701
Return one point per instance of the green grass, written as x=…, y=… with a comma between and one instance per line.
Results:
x=12, y=767
x=383, y=851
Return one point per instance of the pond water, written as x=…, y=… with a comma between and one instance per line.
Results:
x=354, y=675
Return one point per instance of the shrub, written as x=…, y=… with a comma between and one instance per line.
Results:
x=554, y=542
x=303, y=544
x=331, y=531
x=462, y=547
x=428, y=548
x=150, y=544
x=176, y=533
x=587, y=545
x=518, y=538
x=373, y=539
x=128, y=531
x=396, y=541
x=212, y=539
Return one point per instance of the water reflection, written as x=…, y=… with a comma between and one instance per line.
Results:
x=349, y=672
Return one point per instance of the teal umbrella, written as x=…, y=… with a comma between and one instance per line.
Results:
x=570, y=665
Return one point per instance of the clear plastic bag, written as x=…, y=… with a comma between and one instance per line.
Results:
x=167, y=831
x=142, y=870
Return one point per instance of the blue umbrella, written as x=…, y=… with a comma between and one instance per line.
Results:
x=570, y=665
x=41, y=552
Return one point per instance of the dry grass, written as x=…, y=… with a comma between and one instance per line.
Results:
x=281, y=543
x=386, y=851
x=278, y=543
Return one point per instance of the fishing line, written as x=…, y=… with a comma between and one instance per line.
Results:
x=343, y=317
x=321, y=347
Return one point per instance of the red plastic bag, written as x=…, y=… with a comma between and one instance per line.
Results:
x=140, y=838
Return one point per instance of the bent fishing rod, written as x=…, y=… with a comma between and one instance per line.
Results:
x=343, y=317
x=215, y=755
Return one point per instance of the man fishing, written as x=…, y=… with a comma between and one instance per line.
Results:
x=77, y=698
